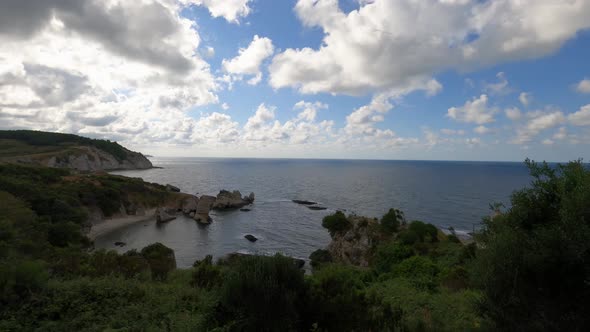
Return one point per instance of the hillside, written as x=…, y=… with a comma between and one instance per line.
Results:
x=67, y=151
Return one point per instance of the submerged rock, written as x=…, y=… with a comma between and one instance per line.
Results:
x=120, y=244
x=245, y=210
x=302, y=202
x=251, y=238
x=317, y=208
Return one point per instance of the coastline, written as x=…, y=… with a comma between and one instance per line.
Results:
x=110, y=225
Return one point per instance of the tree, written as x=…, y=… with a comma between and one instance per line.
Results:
x=336, y=223
x=391, y=221
x=534, y=261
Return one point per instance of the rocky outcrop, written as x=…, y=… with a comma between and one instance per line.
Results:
x=232, y=200
x=303, y=202
x=165, y=215
x=88, y=158
x=354, y=245
x=204, y=205
x=172, y=188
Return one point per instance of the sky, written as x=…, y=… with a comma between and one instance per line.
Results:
x=357, y=79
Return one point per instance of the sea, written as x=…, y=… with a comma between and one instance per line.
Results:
x=447, y=194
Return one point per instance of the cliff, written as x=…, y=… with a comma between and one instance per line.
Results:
x=354, y=245
x=67, y=151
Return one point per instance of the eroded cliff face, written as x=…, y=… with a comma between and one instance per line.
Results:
x=86, y=158
x=355, y=245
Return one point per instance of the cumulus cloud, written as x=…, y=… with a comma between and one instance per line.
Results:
x=123, y=70
x=388, y=44
x=538, y=122
x=581, y=117
x=474, y=111
x=482, y=130
x=513, y=113
x=230, y=10
x=583, y=86
x=499, y=88
x=451, y=132
x=249, y=59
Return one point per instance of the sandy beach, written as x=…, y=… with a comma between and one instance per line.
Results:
x=109, y=225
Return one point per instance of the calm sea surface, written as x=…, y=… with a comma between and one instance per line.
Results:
x=444, y=193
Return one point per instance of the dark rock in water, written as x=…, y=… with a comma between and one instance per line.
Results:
x=317, y=208
x=164, y=215
x=172, y=188
x=302, y=202
x=245, y=210
x=120, y=244
x=251, y=238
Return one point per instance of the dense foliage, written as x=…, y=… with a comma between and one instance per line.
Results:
x=536, y=261
x=41, y=138
x=528, y=269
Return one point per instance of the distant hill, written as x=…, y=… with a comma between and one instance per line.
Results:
x=67, y=151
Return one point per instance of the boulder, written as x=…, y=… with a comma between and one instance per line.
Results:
x=172, y=188
x=302, y=202
x=245, y=210
x=249, y=198
x=192, y=214
x=251, y=238
x=120, y=244
x=164, y=215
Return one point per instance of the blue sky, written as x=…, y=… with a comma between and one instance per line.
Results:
x=383, y=79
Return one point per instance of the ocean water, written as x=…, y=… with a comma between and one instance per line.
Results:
x=443, y=193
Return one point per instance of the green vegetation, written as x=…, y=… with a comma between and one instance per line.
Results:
x=527, y=270
x=336, y=223
x=20, y=142
x=391, y=221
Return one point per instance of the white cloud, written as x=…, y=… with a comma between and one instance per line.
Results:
x=123, y=70
x=224, y=106
x=538, y=123
x=230, y=10
x=499, y=88
x=474, y=111
x=548, y=141
x=482, y=130
x=560, y=134
x=210, y=52
x=452, y=132
x=581, y=117
x=513, y=113
x=372, y=49
x=525, y=98
x=583, y=86
x=249, y=59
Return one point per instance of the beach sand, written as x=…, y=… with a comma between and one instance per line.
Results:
x=109, y=225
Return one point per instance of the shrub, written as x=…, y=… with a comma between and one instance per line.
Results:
x=534, y=257
x=408, y=237
x=425, y=232
x=391, y=221
x=160, y=259
x=319, y=257
x=336, y=223
x=390, y=254
x=421, y=272
x=261, y=293
x=337, y=299
x=205, y=274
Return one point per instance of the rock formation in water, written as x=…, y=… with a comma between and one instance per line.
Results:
x=231, y=200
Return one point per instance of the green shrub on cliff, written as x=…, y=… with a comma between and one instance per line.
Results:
x=336, y=223
x=391, y=221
